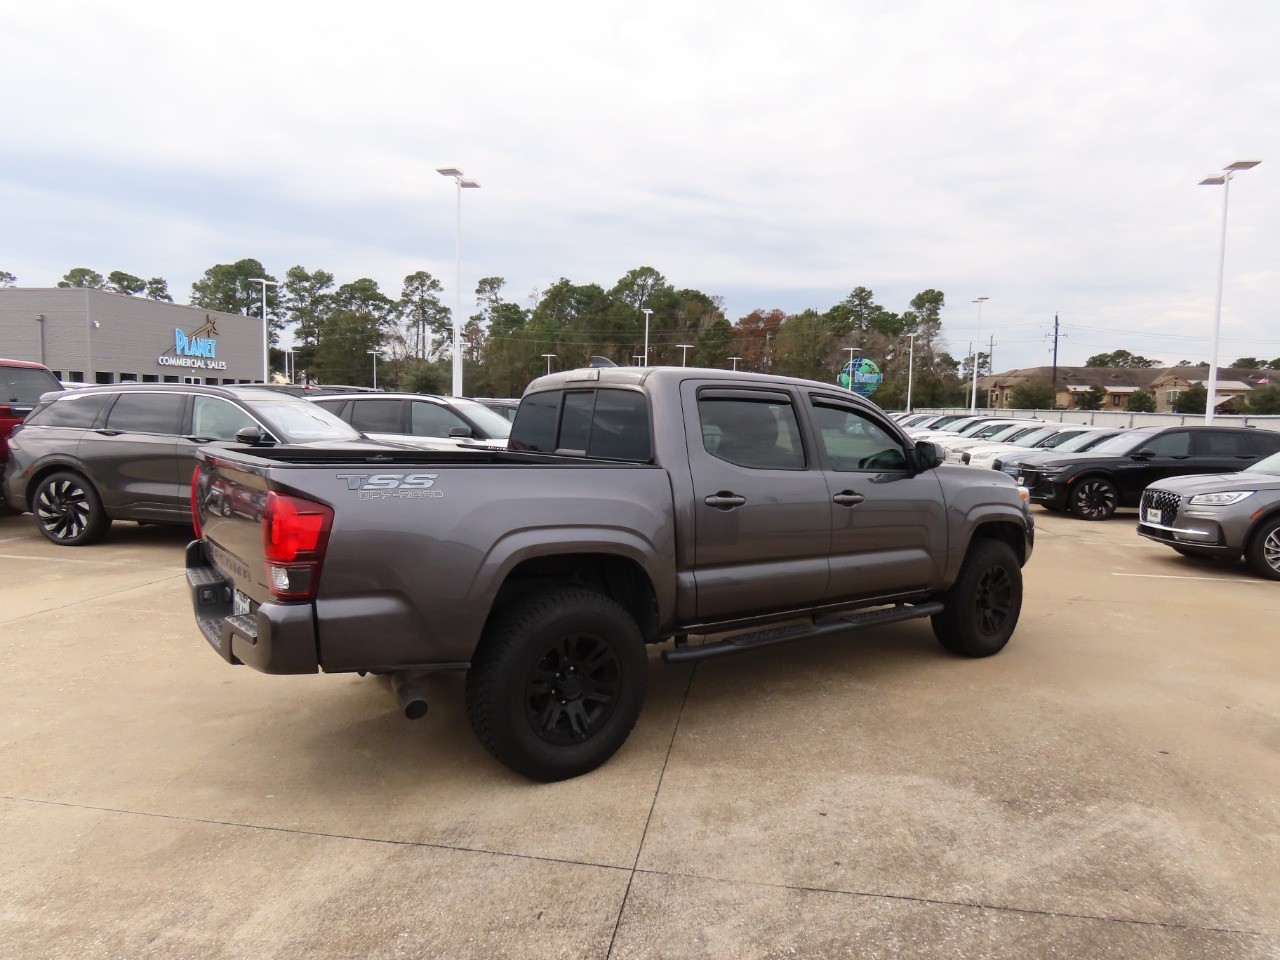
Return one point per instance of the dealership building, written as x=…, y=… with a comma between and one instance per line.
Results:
x=92, y=336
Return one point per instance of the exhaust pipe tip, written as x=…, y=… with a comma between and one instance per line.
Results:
x=410, y=699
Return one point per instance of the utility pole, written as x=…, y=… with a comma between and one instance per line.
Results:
x=1054, y=381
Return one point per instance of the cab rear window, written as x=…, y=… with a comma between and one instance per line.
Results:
x=601, y=424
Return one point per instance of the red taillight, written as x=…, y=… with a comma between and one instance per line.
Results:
x=195, y=501
x=295, y=535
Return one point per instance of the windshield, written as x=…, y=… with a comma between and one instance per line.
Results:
x=495, y=425
x=1081, y=441
x=1269, y=464
x=1123, y=442
x=969, y=429
x=1033, y=437
x=1000, y=431
x=301, y=421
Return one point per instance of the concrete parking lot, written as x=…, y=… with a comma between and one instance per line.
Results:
x=1109, y=786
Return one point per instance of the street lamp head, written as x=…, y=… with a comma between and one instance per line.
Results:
x=1215, y=180
x=980, y=299
x=449, y=171
x=464, y=184
x=1242, y=165
x=646, y=311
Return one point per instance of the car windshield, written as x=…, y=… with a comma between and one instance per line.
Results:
x=1033, y=437
x=1269, y=464
x=1123, y=442
x=494, y=424
x=1082, y=441
x=301, y=421
x=971, y=429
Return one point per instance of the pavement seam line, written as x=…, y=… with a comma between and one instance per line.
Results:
x=99, y=596
x=319, y=834
x=632, y=871
x=635, y=866
x=932, y=901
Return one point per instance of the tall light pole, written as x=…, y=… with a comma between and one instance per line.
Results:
x=456, y=175
x=374, y=354
x=647, y=314
x=735, y=363
x=1220, y=180
x=851, y=351
x=549, y=357
x=973, y=396
x=684, y=352
x=266, y=350
x=911, y=363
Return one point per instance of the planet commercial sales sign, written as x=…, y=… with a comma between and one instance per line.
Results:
x=193, y=351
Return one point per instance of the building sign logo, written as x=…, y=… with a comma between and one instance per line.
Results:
x=194, y=350
x=861, y=376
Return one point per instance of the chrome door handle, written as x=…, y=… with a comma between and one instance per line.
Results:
x=725, y=500
x=847, y=498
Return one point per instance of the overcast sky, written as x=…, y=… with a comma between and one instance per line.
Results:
x=777, y=155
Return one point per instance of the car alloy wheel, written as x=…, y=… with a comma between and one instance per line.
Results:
x=63, y=510
x=1095, y=499
x=68, y=511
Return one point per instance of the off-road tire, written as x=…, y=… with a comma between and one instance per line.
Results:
x=557, y=683
x=1263, y=551
x=983, y=605
x=1094, y=498
x=68, y=510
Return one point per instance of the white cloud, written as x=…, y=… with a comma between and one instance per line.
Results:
x=1043, y=155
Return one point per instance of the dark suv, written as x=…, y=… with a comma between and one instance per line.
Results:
x=127, y=452
x=1114, y=473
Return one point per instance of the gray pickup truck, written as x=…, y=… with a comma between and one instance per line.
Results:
x=635, y=506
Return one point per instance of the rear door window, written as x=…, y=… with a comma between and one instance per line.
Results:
x=761, y=434
x=147, y=413
x=377, y=416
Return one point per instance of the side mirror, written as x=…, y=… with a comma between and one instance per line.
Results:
x=928, y=455
x=251, y=436
x=459, y=431
x=1145, y=454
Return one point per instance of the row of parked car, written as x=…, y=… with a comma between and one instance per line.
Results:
x=1206, y=491
x=79, y=459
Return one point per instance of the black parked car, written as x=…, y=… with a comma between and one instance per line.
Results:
x=126, y=452
x=1115, y=472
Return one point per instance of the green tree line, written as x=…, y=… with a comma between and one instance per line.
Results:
x=335, y=327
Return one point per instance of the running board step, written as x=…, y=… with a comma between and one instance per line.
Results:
x=681, y=653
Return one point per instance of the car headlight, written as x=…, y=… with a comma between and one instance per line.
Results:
x=1051, y=471
x=981, y=456
x=1224, y=499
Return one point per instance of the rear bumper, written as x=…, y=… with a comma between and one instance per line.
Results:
x=274, y=638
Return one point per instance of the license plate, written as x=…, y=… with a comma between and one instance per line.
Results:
x=1022, y=481
x=240, y=604
x=1151, y=515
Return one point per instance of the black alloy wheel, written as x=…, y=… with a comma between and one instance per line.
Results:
x=68, y=511
x=982, y=608
x=1094, y=498
x=557, y=682
x=572, y=691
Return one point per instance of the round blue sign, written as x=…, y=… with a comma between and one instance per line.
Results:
x=861, y=376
